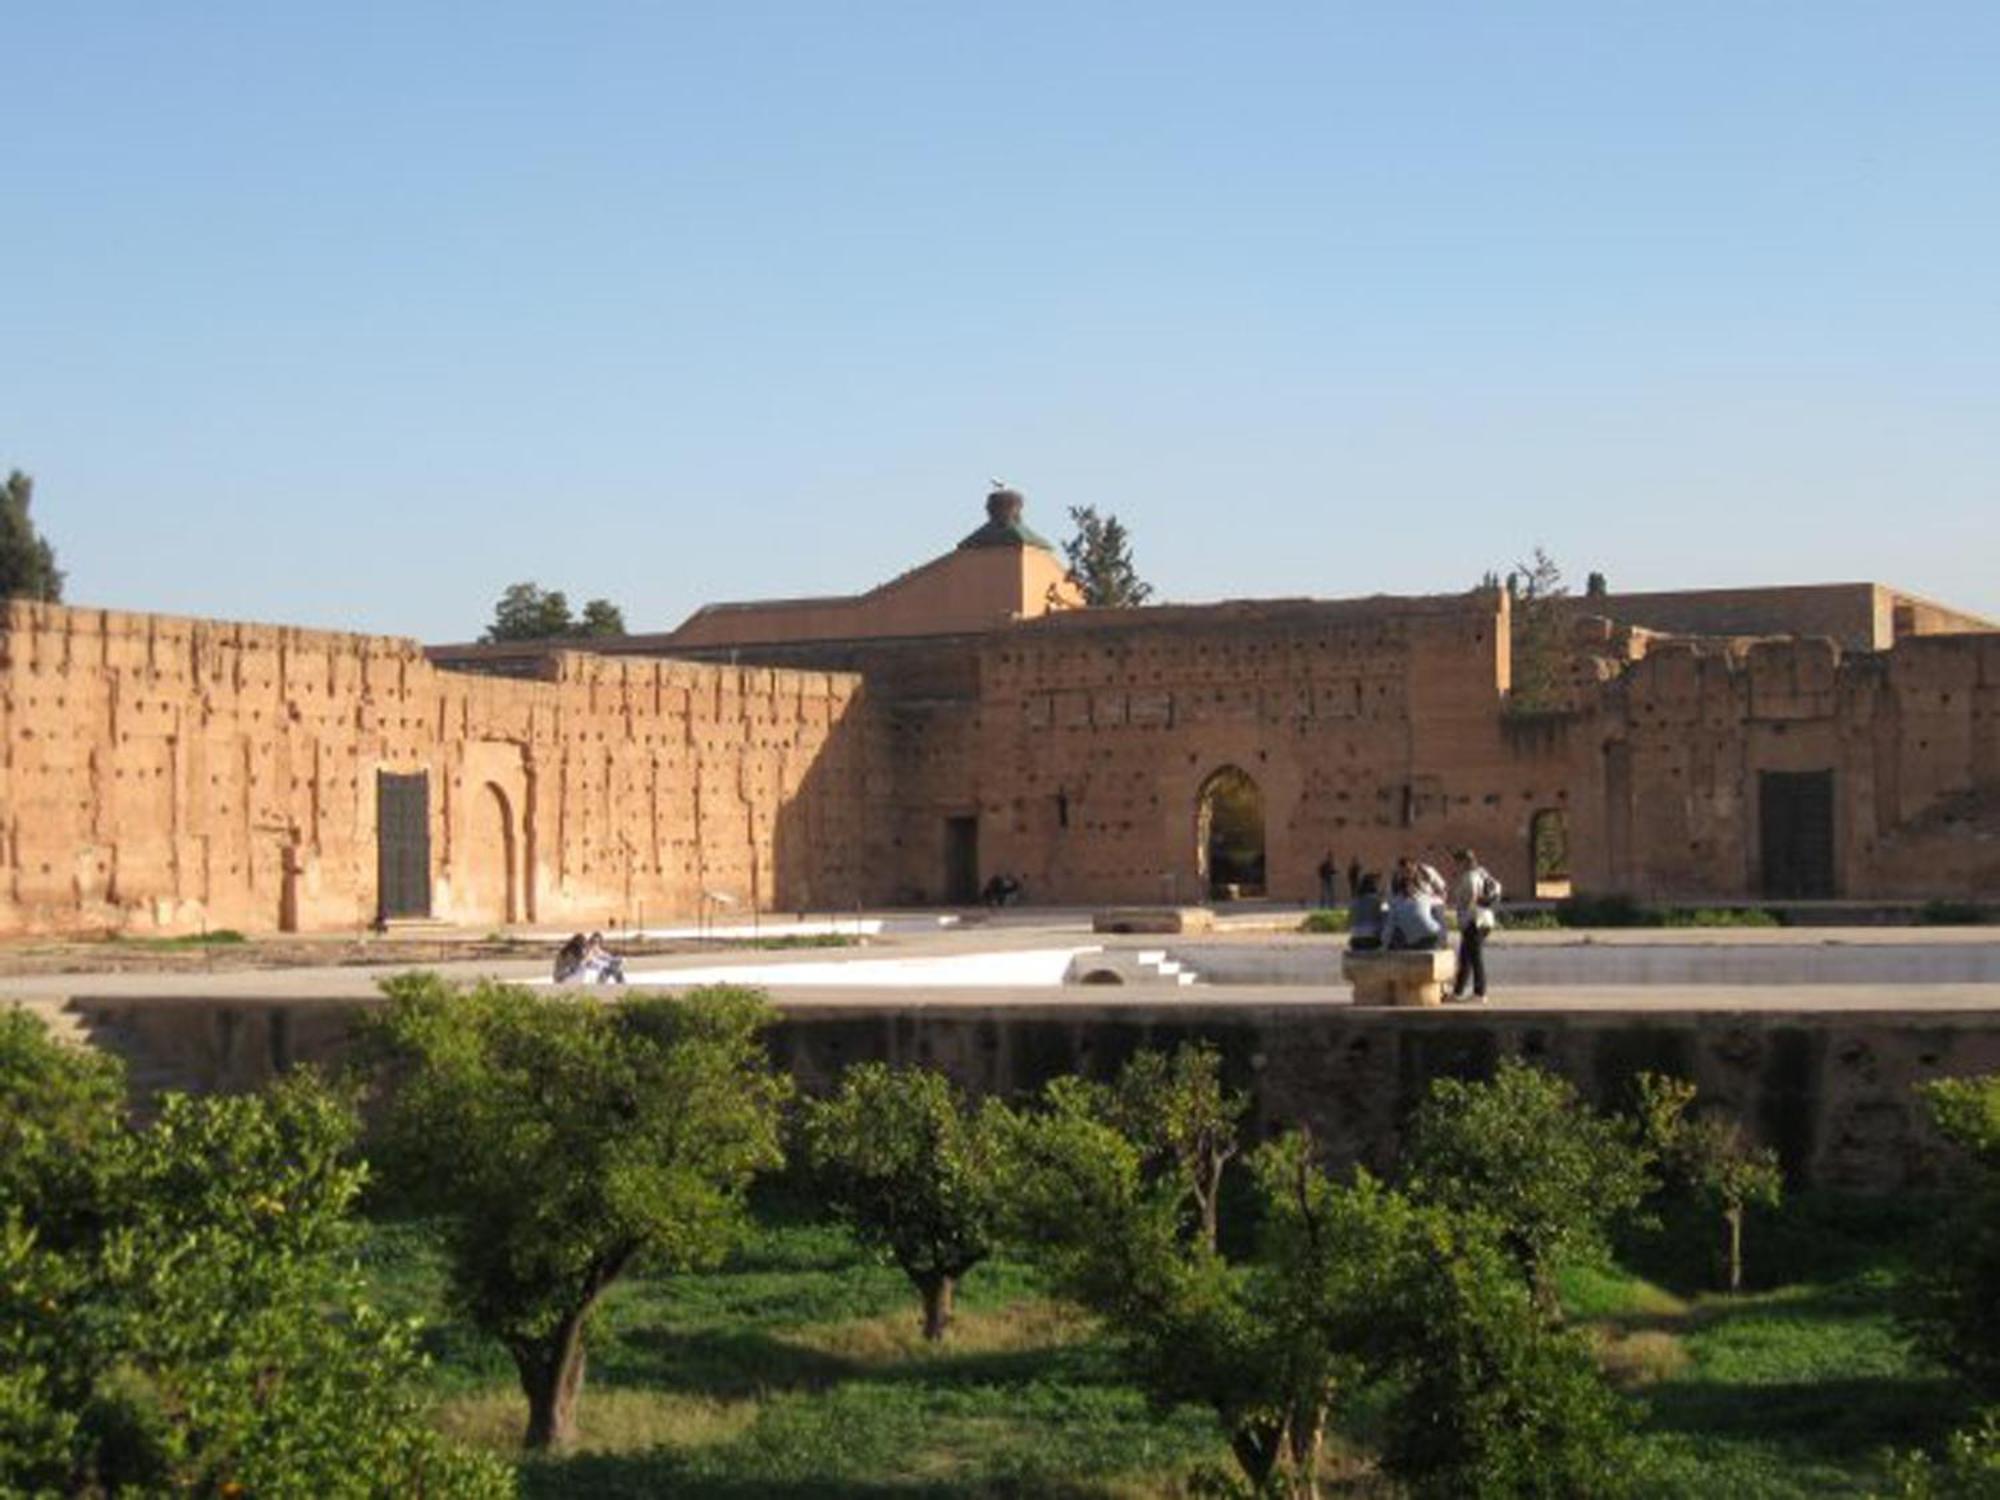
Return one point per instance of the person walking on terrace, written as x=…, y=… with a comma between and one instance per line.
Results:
x=1474, y=894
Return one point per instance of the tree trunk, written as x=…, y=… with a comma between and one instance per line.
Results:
x=1256, y=1448
x=1542, y=1291
x=1735, y=1218
x=1303, y=1441
x=937, y=1292
x=1211, y=1205
x=552, y=1379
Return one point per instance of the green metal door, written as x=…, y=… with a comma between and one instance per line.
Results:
x=403, y=844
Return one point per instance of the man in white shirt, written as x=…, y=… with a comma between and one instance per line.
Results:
x=1474, y=894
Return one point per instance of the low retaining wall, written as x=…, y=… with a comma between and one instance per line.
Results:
x=1832, y=1090
x=1660, y=962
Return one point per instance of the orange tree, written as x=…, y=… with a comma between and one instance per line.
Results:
x=563, y=1142
x=180, y=1311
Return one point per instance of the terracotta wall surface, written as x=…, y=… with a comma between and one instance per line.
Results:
x=164, y=774
x=1371, y=728
x=977, y=588
x=1669, y=782
x=1858, y=615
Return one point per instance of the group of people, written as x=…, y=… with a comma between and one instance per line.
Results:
x=586, y=960
x=1002, y=890
x=1413, y=914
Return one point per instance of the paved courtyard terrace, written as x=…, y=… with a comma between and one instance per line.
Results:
x=1036, y=957
x=1816, y=1035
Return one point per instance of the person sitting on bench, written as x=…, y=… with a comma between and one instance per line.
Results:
x=1366, y=916
x=1412, y=924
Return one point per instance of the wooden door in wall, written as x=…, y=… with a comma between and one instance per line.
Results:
x=402, y=845
x=961, y=861
x=1795, y=823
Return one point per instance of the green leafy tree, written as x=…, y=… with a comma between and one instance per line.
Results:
x=904, y=1158
x=600, y=617
x=61, y=1119
x=1099, y=554
x=1488, y=1396
x=528, y=612
x=1967, y=1469
x=1540, y=643
x=1177, y=1108
x=1353, y=1293
x=27, y=562
x=1954, y=1293
x=180, y=1311
x=1525, y=1155
x=1711, y=1158
x=1191, y=1327
x=562, y=1143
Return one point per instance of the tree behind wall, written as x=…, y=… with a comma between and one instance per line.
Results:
x=27, y=562
x=600, y=617
x=528, y=612
x=1100, y=560
x=1540, y=644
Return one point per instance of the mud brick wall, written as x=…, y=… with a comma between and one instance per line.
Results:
x=170, y=775
x=1669, y=803
x=1371, y=728
x=166, y=775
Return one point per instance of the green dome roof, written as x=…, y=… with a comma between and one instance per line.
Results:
x=1004, y=527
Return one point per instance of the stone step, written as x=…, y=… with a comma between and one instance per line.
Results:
x=422, y=927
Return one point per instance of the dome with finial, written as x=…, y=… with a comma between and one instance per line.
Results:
x=1004, y=526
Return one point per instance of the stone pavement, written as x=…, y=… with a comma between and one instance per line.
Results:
x=1634, y=970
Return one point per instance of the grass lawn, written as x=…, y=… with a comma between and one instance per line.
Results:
x=797, y=1370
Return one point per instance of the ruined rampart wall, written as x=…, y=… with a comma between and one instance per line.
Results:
x=167, y=775
x=1371, y=728
x=1673, y=805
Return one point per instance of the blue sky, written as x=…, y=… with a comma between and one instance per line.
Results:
x=351, y=315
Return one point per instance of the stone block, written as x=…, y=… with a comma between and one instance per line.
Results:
x=1399, y=978
x=1153, y=919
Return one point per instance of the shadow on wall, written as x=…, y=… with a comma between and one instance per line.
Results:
x=1832, y=1092
x=832, y=834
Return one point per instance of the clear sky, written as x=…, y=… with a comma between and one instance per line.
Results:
x=351, y=314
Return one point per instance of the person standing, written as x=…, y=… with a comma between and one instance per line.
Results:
x=1474, y=894
x=1329, y=872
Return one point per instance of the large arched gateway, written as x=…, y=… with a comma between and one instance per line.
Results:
x=1229, y=835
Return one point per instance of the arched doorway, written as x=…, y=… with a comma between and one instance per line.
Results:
x=1229, y=835
x=489, y=876
x=1548, y=853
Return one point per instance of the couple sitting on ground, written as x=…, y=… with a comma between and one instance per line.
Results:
x=586, y=960
x=1414, y=916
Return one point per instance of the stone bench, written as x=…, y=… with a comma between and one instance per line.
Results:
x=1399, y=976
